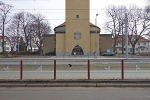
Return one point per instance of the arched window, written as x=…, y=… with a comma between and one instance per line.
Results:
x=77, y=50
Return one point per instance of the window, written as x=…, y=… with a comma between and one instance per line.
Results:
x=138, y=43
x=144, y=43
x=7, y=48
x=142, y=49
x=120, y=49
x=136, y=49
x=77, y=16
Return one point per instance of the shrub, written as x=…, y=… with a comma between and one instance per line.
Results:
x=53, y=53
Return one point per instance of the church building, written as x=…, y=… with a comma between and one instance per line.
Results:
x=77, y=36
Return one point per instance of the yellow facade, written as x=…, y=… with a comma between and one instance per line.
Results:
x=60, y=43
x=77, y=21
x=78, y=8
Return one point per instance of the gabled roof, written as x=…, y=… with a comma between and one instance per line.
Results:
x=142, y=39
x=63, y=24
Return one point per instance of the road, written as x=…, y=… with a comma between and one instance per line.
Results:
x=74, y=93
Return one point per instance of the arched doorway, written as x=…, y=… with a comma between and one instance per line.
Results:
x=77, y=50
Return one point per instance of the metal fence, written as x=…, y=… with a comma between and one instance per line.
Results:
x=75, y=68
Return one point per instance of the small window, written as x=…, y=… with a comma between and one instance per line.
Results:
x=142, y=49
x=120, y=49
x=144, y=43
x=138, y=43
x=77, y=16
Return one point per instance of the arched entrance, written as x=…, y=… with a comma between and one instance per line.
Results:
x=77, y=50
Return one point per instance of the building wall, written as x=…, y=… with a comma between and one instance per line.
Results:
x=137, y=49
x=105, y=42
x=60, y=44
x=74, y=24
x=49, y=43
x=93, y=43
x=7, y=45
x=60, y=29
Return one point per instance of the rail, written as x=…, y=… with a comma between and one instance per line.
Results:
x=94, y=67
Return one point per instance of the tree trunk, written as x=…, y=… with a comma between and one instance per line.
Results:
x=30, y=44
x=133, y=49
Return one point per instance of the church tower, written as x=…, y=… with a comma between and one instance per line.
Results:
x=77, y=36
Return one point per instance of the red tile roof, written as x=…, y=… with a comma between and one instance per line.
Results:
x=1, y=37
x=63, y=24
x=142, y=39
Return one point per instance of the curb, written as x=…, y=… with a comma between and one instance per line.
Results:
x=74, y=85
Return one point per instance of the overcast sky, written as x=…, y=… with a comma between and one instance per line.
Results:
x=54, y=10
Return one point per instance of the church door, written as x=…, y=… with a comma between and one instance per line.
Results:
x=77, y=50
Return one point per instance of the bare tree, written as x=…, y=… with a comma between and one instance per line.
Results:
x=115, y=22
x=13, y=31
x=40, y=27
x=4, y=11
x=138, y=25
x=25, y=19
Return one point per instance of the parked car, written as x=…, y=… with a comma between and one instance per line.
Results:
x=108, y=54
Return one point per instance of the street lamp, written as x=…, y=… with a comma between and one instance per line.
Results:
x=96, y=36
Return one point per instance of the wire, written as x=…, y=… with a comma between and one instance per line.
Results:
x=27, y=0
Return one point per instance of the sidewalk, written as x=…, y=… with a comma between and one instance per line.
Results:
x=74, y=83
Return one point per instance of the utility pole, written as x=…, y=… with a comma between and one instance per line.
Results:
x=126, y=32
x=3, y=38
x=96, y=37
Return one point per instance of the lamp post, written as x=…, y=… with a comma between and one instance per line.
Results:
x=126, y=31
x=96, y=36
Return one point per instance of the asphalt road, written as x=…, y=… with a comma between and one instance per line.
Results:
x=74, y=93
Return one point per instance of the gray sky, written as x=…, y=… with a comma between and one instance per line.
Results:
x=54, y=10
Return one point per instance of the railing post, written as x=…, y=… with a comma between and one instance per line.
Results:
x=54, y=69
x=21, y=69
x=122, y=69
x=88, y=69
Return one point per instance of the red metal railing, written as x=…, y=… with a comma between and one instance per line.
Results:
x=88, y=65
